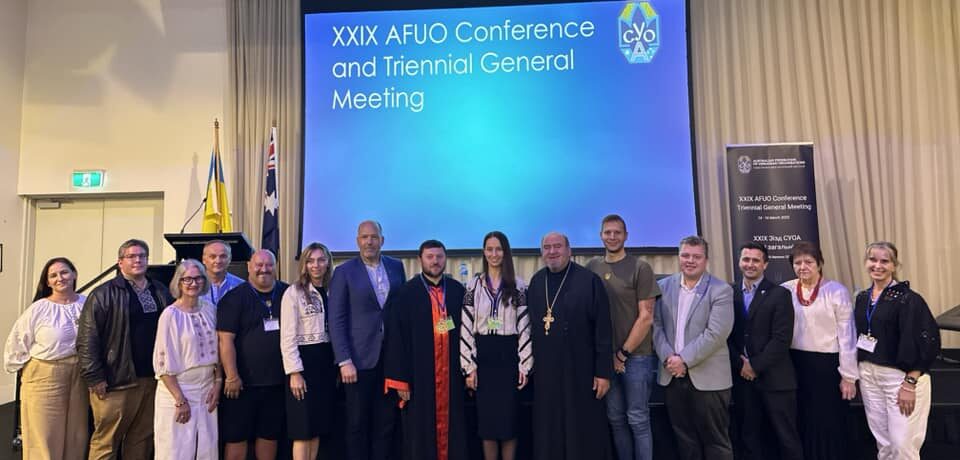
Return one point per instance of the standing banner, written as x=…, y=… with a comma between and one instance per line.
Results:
x=773, y=201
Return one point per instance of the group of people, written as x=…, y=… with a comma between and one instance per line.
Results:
x=258, y=360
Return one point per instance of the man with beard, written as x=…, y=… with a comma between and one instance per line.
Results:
x=358, y=295
x=421, y=359
x=115, y=337
x=691, y=322
x=248, y=328
x=570, y=312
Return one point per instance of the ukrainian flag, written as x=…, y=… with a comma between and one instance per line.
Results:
x=216, y=213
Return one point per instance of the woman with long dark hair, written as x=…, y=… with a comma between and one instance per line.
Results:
x=495, y=350
x=307, y=353
x=43, y=345
x=898, y=340
x=824, y=355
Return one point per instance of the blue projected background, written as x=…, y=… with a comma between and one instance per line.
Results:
x=437, y=125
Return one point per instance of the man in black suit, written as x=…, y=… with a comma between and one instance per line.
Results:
x=764, y=384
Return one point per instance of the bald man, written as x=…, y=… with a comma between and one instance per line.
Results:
x=248, y=328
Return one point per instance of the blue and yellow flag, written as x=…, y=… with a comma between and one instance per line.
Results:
x=216, y=212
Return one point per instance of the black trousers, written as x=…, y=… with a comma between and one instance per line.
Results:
x=371, y=417
x=767, y=422
x=700, y=421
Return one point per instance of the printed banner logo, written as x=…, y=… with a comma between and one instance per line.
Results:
x=744, y=164
x=639, y=36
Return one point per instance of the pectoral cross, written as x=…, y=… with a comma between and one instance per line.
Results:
x=546, y=322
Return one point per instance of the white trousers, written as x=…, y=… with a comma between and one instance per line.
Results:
x=196, y=439
x=898, y=437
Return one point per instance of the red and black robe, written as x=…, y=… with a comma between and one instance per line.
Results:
x=420, y=358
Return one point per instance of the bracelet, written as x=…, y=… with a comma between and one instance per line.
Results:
x=617, y=357
x=907, y=389
x=910, y=380
x=180, y=403
x=232, y=380
x=625, y=352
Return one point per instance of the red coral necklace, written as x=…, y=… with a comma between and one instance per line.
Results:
x=813, y=295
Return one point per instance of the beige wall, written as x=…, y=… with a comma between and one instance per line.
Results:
x=127, y=86
x=130, y=86
x=13, y=19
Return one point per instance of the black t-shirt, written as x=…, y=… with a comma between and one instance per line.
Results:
x=242, y=311
x=143, y=330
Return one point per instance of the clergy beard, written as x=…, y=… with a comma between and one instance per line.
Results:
x=433, y=275
x=560, y=267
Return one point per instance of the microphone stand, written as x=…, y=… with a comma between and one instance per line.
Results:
x=203, y=202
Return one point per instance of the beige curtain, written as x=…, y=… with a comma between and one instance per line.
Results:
x=264, y=90
x=875, y=85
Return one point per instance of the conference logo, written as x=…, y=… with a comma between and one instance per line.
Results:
x=744, y=164
x=639, y=37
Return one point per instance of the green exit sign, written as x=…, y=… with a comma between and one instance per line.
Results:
x=88, y=180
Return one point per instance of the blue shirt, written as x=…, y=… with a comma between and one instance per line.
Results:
x=748, y=293
x=216, y=292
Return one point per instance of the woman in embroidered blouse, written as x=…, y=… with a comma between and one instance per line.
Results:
x=307, y=353
x=898, y=339
x=495, y=349
x=823, y=353
x=43, y=345
x=185, y=360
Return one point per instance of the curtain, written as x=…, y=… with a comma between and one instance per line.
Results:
x=875, y=85
x=264, y=89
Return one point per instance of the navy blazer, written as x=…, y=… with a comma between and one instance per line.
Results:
x=765, y=331
x=356, y=318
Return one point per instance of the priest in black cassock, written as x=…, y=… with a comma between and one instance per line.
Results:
x=422, y=360
x=570, y=320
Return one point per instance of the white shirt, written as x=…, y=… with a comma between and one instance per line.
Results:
x=685, y=301
x=185, y=340
x=303, y=321
x=826, y=325
x=46, y=330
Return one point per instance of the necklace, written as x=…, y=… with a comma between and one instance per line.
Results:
x=813, y=295
x=549, y=319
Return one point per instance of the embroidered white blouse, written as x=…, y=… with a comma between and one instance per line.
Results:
x=826, y=325
x=46, y=330
x=477, y=312
x=185, y=340
x=303, y=321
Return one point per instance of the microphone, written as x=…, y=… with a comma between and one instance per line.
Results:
x=193, y=215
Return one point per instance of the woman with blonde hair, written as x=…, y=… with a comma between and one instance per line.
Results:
x=897, y=341
x=307, y=353
x=43, y=345
x=185, y=359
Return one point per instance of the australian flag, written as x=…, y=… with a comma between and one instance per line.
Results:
x=271, y=202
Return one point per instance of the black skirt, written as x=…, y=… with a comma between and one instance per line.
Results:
x=821, y=410
x=313, y=416
x=498, y=400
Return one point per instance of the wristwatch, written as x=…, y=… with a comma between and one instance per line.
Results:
x=910, y=380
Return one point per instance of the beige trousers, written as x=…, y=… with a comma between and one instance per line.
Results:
x=123, y=422
x=53, y=410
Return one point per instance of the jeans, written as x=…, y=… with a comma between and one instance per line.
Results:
x=628, y=408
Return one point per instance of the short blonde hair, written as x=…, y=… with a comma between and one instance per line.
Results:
x=181, y=270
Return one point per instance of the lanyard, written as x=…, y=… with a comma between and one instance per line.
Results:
x=439, y=298
x=873, y=307
x=495, y=306
x=262, y=302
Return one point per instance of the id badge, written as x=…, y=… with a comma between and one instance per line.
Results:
x=866, y=343
x=445, y=325
x=494, y=323
x=271, y=324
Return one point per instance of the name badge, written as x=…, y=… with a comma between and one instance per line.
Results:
x=271, y=324
x=494, y=323
x=867, y=343
x=445, y=325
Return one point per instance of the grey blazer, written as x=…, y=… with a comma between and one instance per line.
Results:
x=708, y=325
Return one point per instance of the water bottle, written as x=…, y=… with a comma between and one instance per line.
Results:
x=463, y=272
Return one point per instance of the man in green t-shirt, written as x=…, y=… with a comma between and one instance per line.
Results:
x=632, y=288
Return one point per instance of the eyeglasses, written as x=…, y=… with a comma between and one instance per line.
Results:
x=135, y=256
x=192, y=280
